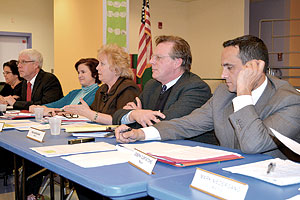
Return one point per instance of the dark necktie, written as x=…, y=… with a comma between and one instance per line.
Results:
x=163, y=89
x=28, y=97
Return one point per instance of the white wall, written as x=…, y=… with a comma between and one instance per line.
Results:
x=31, y=16
x=204, y=24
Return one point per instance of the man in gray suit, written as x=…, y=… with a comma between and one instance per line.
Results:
x=240, y=111
x=184, y=92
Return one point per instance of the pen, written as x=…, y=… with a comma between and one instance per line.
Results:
x=81, y=140
x=113, y=132
x=271, y=167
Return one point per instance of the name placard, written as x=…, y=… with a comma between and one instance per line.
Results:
x=1, y=126
x=143, y=161
x=36, y=134
x=218, y=186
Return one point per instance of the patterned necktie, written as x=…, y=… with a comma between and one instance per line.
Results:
x=28, y=97
x=163, y=89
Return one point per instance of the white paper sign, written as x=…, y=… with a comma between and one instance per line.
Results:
x=218, y=186
x=142, y=161
x=36, y=134
x=1, y=126
x=291, y=144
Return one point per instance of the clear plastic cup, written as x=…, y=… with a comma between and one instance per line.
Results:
x=55, y=123
x=39, y=113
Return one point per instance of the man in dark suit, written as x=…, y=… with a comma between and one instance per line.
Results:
x=40, y=87
x=240, y=111
x=182, y=92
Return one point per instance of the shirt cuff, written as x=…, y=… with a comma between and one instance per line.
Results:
x=151, y=133
x=242, y=101
x=125, y=119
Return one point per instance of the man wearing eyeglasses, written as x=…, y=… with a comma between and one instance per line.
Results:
x=40, y=87
x=173, y=92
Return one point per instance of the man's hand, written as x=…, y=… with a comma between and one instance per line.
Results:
x=2, y=100
x=132, y=105
x=250, y=77
x=124, y=136
x=81, y=109
x=145, y=117
x=10, y=100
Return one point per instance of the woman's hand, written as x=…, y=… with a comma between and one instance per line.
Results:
x=82, y=109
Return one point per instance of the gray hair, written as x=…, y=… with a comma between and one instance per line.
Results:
x=34, y=55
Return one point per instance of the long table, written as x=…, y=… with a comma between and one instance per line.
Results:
x=177, y=187
x=119, y=181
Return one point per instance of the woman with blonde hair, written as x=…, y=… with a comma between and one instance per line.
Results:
x=117, y=90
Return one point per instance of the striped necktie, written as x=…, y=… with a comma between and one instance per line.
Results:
x=163, y=89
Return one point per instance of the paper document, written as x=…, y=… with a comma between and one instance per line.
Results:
x=90, y=134
x=297, y=197
x=181, y=155
x=16, y=124
x=74, y=128
x=59, y=150
x=291, y=144
x=99, y=159
x=39, y=126
x=285, y=172
x=77, y=119
x=17, y=115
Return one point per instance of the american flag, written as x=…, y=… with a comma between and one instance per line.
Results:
x=145, y=43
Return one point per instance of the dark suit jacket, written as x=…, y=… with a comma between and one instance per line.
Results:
x=189, y=93
x=46, y=89
x=246, y=129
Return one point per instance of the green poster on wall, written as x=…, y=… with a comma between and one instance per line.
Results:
x=116, y=22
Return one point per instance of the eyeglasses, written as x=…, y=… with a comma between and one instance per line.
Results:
x=158, y=57
x=70, y=116
x=5, y=73
x=24, y=61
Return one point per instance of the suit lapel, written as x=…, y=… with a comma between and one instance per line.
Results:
x=228, y=129
x=264, y=99
x=173, y=95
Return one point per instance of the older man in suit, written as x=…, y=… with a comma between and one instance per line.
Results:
x=40, y=87
x=241, y=111
x=173, y=92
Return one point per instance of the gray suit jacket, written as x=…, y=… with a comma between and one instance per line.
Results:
x=246, y=129
x=189, y=93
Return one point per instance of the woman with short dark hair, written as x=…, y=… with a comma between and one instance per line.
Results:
x=13, y=81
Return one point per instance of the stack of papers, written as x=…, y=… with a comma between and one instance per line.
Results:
x=181, y=156
x=17, y=115
x=19, y=124
x=59, y=150
x=88, y=129
x=285, y=172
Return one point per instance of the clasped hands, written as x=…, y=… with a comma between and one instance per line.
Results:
x=143, y=117
x=8, y=100
x=250, y=77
